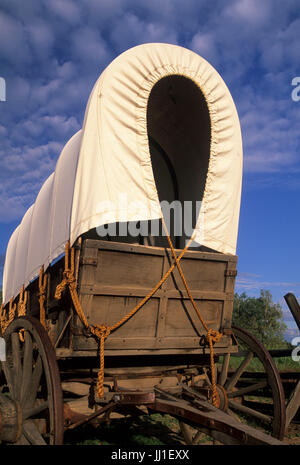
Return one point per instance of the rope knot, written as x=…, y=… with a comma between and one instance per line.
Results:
x=213, y=336
x=69, y=276
x=68, y=280
x=101, y=331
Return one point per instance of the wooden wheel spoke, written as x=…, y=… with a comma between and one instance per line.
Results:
x=224, y=371
x=31, y=393
x=32, y=433
x=249, y=411
x=34, y=411
x=17, y=365
x=248, y=389
x=229, y=385
x=27, y=366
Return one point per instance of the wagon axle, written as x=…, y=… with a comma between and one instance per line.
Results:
x=190, y=409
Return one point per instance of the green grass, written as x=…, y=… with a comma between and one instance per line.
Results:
x=282, y=364
x=155, y=429
x=286, y=364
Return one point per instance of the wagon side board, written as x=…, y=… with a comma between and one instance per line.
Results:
x=114, y=277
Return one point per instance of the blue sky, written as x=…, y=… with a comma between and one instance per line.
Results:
x=51, y=53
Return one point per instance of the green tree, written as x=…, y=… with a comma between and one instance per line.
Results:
x=261, y=317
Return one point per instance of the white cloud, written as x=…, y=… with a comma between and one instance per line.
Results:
x=248, y=281
x=89, y=47
x=65, y=9
x=204, y=45
x=249, y=11
x=41, y=39
x=13, y=45
x=130, y=30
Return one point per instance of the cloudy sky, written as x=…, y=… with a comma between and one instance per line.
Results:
x=51, y=53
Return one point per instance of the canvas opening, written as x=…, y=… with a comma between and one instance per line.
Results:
x=179, y=131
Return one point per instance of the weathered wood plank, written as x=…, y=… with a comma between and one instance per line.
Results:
x=93, y=352
x=151, y=250
x=294, y=307
x=140, y=343
x=293, y=405
x=98, y=289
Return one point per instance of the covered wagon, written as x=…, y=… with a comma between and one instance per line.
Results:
x=118, y=283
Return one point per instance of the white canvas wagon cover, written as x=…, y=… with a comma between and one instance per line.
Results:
x=111, y=156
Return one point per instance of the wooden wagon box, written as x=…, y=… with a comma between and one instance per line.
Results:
x=113, y=277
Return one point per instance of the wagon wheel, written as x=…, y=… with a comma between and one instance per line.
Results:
x=266, y=382
x=240, y=387
x=31, y=381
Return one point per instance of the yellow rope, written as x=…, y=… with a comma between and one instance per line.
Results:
x=22, y=309
x=11, y=315
x=42, y=296
x=22, y=302
x=11, y=311
x=212, y=335
x=101, y=332
x=2, y=318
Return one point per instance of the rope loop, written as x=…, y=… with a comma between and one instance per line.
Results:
x=100, y=331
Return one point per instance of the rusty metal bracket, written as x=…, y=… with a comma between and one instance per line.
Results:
x=135, y=398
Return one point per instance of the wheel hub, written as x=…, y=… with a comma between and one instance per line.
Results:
x=223, y=398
